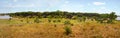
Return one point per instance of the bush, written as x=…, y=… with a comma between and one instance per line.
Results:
x=55, y=25
x=110, y=21
x=49, y=20
x=68, y=30
x=67, y=22
x=37, y=20
x=10, y=19
x=58, y=21
x=54, y=21
x=27, y=21
x=21, y=20
x=99, y=20
x=71, y=24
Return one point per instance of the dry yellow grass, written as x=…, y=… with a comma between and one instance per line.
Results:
x=88, y=29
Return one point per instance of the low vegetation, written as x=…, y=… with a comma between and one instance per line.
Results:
x=68, y=30
x=59, y=24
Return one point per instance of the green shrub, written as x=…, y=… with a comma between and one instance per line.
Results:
x=27, y=21
x=68, y=30
x=21, y=20
x=49, y=20
x=71, y=24
x=58, y=21
x=67, y=22
x=54, y=21
x=37, y=20
x=110, y=21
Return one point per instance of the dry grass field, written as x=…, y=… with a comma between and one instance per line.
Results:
x=26, y=28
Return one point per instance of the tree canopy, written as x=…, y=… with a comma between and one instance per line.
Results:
x=63, y=14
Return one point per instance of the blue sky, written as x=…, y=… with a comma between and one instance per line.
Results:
x=98, y=6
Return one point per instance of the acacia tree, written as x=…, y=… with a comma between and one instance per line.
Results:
x=112, y=17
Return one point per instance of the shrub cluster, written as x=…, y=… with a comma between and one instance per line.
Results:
x=67, y=30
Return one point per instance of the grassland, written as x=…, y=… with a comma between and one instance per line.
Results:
x=52, y=28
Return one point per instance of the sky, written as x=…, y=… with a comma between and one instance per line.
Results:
x=97, y=6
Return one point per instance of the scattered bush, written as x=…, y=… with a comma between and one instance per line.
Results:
x=55, y=25
x=58, y=21
x=68, y=30
x=37, y=20
x=28, y=21
x=21, y=20
x=49, y=20
x=110, y=21
x=67, y=22
x=54, y=21
x=10, y=19
x=71, y=24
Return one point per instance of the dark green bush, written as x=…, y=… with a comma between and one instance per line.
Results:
x=58, y=21
x=54, y=21
x=37, y=20
x=67, y=22
x=68, y=30
x=21, y=20
x=49, y=20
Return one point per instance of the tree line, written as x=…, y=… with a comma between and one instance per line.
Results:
x=65, y=14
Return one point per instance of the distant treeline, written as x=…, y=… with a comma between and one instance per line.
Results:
x=65, y=14
x=62, y=14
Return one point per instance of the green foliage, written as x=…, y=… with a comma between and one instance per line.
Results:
x=21, y=20
x=37, y=20
x=54, y=21
x=67, y=30
x=54, y=14
x=100, y=20
x=104, y=16
x=110, y=21
x=83, y=18
x=49, y=16
x=58, y=21
x=67, y=22
x=109, y=17
x=69, y=15
x=112, y=16
x=49, y=20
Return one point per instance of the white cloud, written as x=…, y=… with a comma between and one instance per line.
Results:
x=98, y=3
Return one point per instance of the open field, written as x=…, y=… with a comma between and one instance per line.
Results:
x=27, y=28
x=59, y=18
